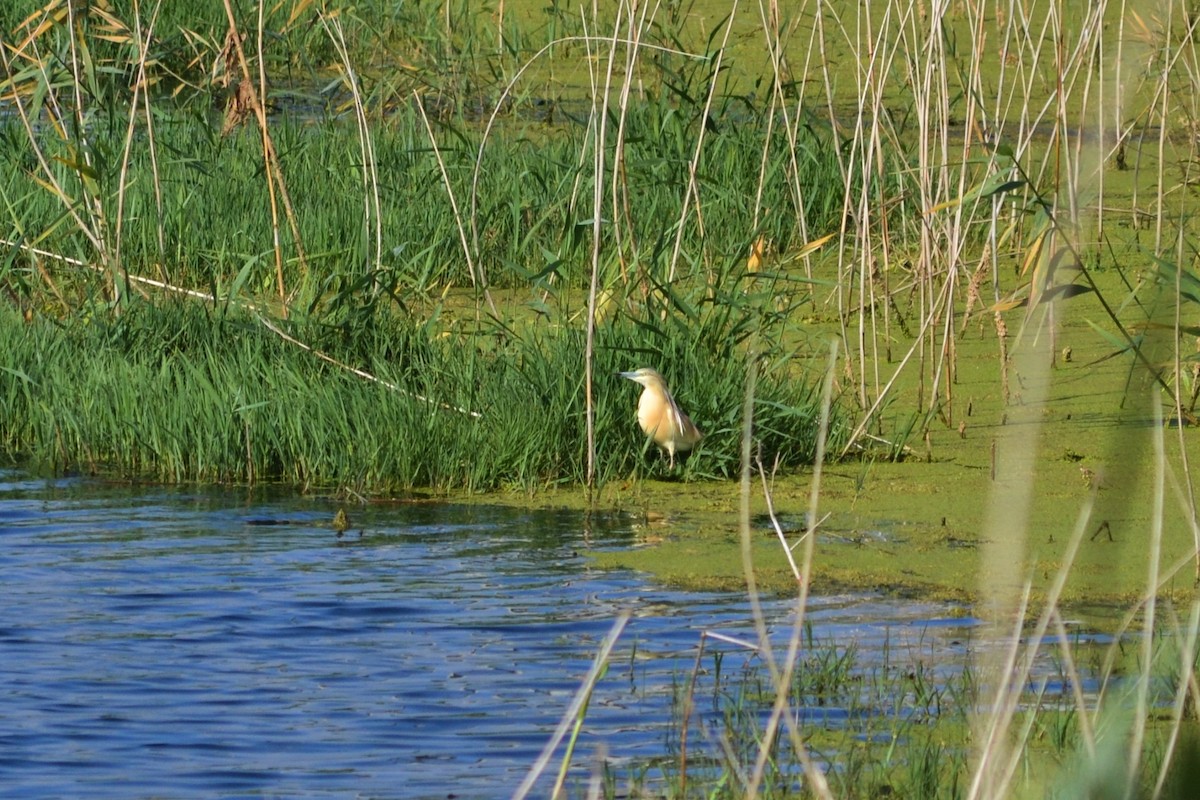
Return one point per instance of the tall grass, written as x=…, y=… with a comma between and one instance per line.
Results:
x=896, y=726
x=954, y=154
x=182, y=392
x=215, y=215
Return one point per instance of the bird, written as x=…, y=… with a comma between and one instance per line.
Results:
x=660, y=417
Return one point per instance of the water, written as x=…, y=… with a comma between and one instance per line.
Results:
x=166, y=643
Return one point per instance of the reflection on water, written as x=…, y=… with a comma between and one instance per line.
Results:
x=163, y=642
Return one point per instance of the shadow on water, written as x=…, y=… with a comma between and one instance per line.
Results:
x=427, y=650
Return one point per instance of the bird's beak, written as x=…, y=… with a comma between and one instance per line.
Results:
x=629, y=375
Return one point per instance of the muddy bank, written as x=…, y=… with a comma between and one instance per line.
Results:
x=922, y=526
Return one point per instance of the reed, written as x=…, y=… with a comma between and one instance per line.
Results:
x=898, y=726
x=183, y=392
x=215, y=210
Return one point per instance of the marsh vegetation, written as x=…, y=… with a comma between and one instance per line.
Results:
x=393, y=247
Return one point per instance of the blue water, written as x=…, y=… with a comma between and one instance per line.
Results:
x=161, y=643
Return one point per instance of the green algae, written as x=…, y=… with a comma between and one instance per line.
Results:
x=917, y=526
x=920, y=525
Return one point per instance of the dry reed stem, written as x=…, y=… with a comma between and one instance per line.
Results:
x=90, y=199
x=1002, y=339
x=686, y=715
x=782, y=676
x=596, y=779
x=578, y=703
x=689, y=704
x=586, y=40
x=787, y=549
x=820, y=785
x=256, y=311
x=996, y=764
x=271, y=166
x=1030, y=45
x=600, y=128
x=1003, y=555
x=1191, y=506
x=773, y=39
x=139, y=90
x=1151, y=598
x=1086, y=731
x=1178, y=708
x=1007, y=705
x=692, y=192
x=477, y=277
x=621, y=210
x=992, y=744
x=1105, y=673
x=372, y=206
x=860, y=430
x=152, y=148
x=49, y=181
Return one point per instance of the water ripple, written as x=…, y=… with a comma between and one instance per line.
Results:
x=172, y=636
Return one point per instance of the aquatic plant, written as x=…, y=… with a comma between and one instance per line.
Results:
x=183, y=392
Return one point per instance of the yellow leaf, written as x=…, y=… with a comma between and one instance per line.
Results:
x=49, y=187
x=1009, y=304
x=53, y=14
x=756, y=255
x=814, y=245
x=1141, y=31
x=944, y=205
x=1035, y=249
x=300, y=8
x=55, y=10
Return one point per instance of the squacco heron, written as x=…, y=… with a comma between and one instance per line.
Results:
x=660, y=417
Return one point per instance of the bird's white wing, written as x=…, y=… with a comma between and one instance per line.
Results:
x=677, y=416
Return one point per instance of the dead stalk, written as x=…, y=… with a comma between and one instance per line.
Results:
x=576, y=707
x=476, y=273
x=140, y=90
x=692, y=193
x=782, y=672
x=600, y=126
x=372, y=206
x=276, y=187
x=1187, y=669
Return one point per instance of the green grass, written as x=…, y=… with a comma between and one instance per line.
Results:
x=179, y=392
x=896, y=726
x=216, y=212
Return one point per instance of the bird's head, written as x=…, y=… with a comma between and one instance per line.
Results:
x=646, y=377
